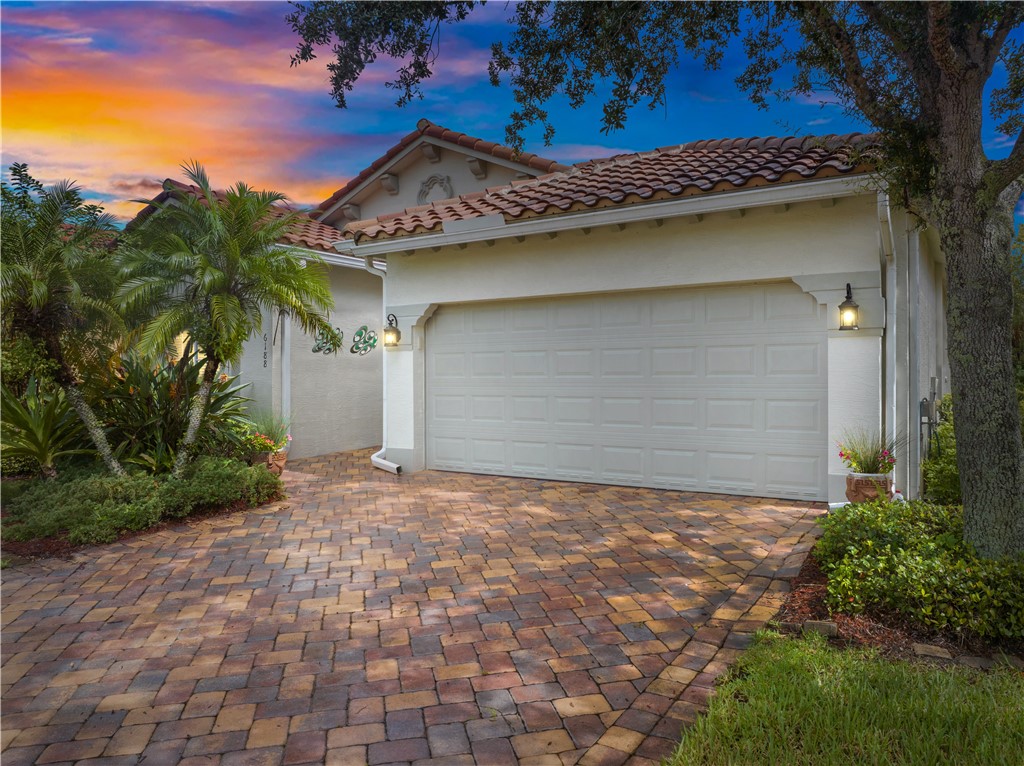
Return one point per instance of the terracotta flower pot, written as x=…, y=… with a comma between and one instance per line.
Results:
x=260, y=458
x=276, y=461
x=864, y=487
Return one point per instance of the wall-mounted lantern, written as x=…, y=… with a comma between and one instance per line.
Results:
x=392, y=334
x=849, y=312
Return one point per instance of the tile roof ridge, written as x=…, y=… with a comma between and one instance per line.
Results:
x=622, y=157
x=828, y=140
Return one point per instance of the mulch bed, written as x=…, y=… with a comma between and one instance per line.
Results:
x=892, y=636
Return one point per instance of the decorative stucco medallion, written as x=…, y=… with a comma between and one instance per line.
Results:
x=436, y=180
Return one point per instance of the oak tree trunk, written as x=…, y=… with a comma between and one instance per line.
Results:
x=975, y=234
x=197, y=411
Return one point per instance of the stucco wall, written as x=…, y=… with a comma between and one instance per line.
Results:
x=414, y=169
x=336, y=398
x=763, y=244
x=257, y=367
x=336, y=401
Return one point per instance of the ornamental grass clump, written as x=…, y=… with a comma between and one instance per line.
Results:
x=267, y=433
x=868, y=452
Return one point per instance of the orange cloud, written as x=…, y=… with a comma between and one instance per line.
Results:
x=117, y=95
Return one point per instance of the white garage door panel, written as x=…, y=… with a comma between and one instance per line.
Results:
x=716, y=389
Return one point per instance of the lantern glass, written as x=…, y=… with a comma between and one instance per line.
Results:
x=849, y=312
x=392, y=335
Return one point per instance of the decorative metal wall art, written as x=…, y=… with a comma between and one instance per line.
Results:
x=364, y=341
x=325, y=344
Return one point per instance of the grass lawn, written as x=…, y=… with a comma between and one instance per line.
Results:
x=798, y=701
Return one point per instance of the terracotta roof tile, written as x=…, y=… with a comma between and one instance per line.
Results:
x=305, y=232
x=429, y=129
x=699, y=167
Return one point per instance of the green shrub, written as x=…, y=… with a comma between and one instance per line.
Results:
x=21, y=359
x=213, y=482
x=12, y=488
x=941, y=476
x=90, y=508
x=863, y=527
x=11, y=465
x=98, y=508
x=910, y=558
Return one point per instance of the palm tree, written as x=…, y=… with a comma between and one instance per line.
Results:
x=56, y=277
x=209, y=264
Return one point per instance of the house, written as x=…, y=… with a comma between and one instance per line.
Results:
x=662, y=319
x=332, y=398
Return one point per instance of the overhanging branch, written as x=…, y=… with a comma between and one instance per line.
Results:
x=939, y=39
x=1002, y=173
x=994, y=44
x=915, y=65
x=865, y=96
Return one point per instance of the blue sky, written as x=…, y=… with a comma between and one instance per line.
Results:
x=118, y=95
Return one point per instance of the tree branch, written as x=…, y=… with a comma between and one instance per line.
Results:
x=864, y=94
x=1002, y=173
x=873, y=10
x=939, y=40
x=994, y=44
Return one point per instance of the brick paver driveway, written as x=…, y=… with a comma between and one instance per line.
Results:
x=434, y=618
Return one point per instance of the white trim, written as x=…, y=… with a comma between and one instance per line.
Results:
x=806, y=191
x=338, y=259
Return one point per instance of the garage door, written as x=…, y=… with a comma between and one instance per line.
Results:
x=711, y=389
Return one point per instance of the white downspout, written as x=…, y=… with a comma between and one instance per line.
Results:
x=914, y=254
x=286, y=368
x=889, y=415
x=377, y=459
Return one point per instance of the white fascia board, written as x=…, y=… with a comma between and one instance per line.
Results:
x=806, y=191
x=337, y=259
x=409, y=150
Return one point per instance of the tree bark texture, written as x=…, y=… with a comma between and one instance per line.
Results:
x=975, y=237
x=195, y=416
x=95, y=429
x=66, y=380
x=975, y=223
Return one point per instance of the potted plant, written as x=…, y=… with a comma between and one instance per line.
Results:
x=870, y=458
x=266, y=441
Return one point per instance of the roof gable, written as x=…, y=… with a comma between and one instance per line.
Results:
x=696, y=168
x=425, y=146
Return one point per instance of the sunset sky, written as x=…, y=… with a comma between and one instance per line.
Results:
x=118, y=95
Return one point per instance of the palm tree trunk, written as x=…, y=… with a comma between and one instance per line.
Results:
x=92, y=425
x=67, y=382
x=195, y=416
